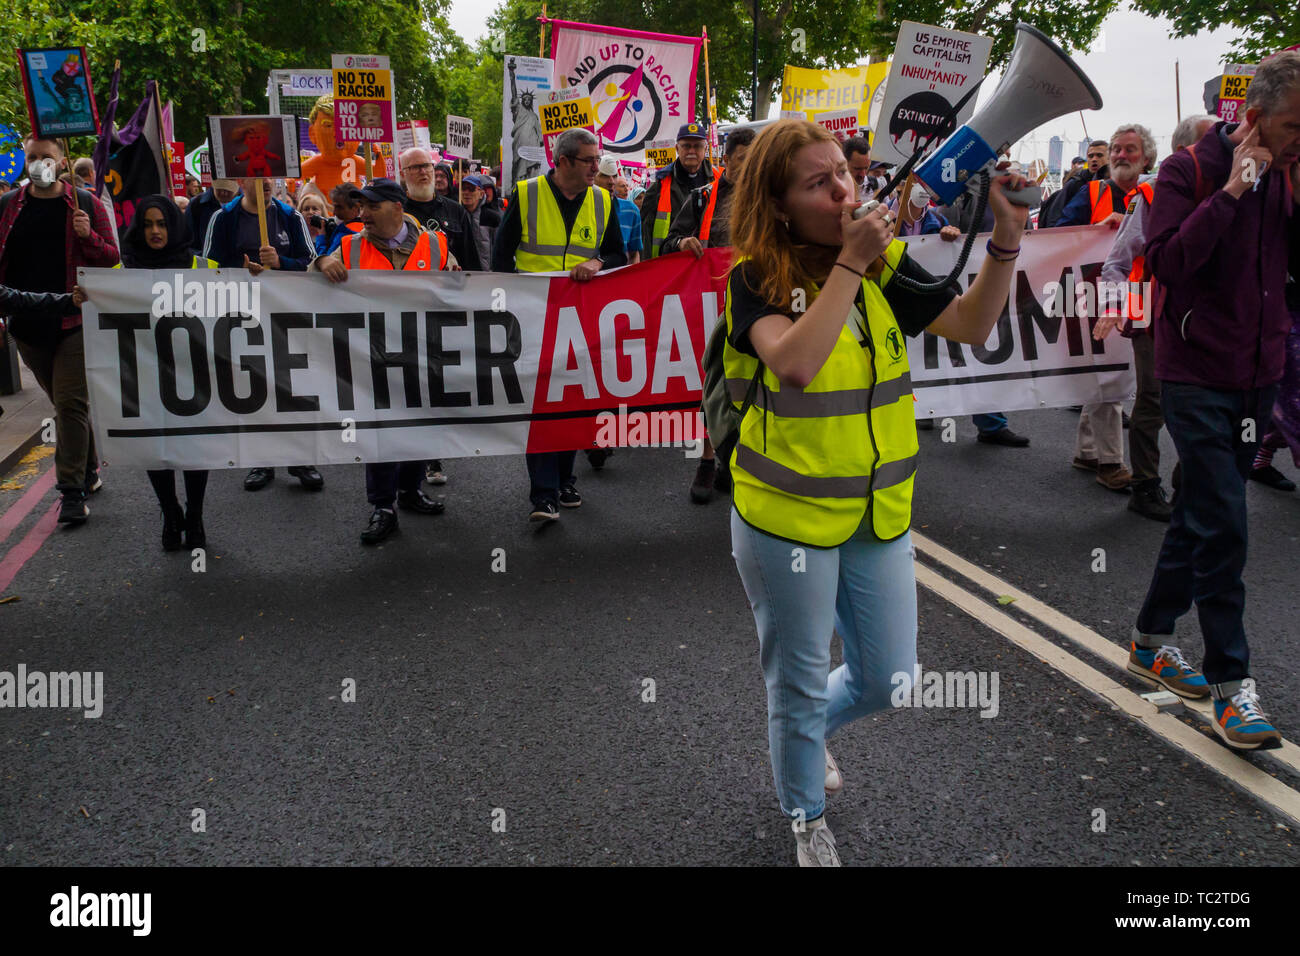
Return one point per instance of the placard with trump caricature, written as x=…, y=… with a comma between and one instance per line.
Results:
x=252, y=147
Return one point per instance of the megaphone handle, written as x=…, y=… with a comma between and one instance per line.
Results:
x=1031, y=196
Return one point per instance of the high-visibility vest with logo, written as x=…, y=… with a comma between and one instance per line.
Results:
x=1137, y=274
x=707, y=222
x=358, y=253
x=544, y=244
x=1096, y=190
x=811, y=462
x=196, y=262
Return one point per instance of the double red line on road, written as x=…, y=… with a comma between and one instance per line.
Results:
x=31, y=542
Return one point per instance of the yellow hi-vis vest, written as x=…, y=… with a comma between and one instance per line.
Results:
x=544, y=245
x=196, y=262
x=811, y=461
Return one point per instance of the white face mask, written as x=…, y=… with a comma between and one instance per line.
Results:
x=42, y=172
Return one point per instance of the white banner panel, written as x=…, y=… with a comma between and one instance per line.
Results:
x=1033, y=359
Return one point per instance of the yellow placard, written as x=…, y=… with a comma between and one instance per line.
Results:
x=660, y=156
x=1234, y=87
x=825, y=91
x=363, y=84
x=570, y=114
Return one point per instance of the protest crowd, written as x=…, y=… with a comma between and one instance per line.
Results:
x=1220, y=343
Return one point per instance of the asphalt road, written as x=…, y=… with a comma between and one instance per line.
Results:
x=515, y=697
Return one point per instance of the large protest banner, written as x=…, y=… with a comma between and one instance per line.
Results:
x=527, y=80
x=393, y=366
x=388, y=366
x=1041, y=353
x=812, y=92
x=642, y=85
x=932, y=70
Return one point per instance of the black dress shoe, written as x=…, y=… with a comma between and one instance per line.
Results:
x=382, y=524
x=1003, y=436
x=1268, y=475
x=258, y=478
x=195, y=536
x=598, y=456
x=307, y=474
x=419, y=502
x=173, y=521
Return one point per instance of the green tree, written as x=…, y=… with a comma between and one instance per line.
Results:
x=1264, y=26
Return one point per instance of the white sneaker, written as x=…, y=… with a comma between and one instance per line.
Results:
x=816, y=845
x=433, y=473
x=834, y=780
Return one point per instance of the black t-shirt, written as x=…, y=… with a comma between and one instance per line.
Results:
x=912, y=310
x=449, y=217
x=36, y=252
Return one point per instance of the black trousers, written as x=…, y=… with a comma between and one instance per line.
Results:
x=386, y=478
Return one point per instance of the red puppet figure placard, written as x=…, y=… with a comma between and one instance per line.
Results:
x=254, y=147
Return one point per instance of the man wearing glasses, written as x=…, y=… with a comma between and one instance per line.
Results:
x=433, y=211
x=564, y=211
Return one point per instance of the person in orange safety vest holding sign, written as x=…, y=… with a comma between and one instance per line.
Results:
x=704, y=220
x=390, y=240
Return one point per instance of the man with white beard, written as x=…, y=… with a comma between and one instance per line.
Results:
x=1100, y=443
x=435, y=212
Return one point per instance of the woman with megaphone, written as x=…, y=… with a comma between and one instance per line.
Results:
x=816, y=311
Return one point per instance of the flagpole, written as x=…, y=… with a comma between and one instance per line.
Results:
x=541, y=35
x=708, y=99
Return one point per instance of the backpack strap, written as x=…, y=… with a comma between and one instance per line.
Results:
x=1201, y=193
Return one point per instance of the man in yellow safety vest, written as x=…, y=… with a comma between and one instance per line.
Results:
x=555, y=223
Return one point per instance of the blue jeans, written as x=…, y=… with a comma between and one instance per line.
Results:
x=1203, y=553
x=866, y=590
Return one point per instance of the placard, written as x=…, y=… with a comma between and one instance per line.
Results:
x=251, y=147
x=363, y=99
x=60, y=98
x=931, y=71
x=564, y=109
x=460, y=138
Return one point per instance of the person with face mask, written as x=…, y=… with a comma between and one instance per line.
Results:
x=48, y=229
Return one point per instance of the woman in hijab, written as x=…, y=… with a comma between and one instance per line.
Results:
x=158, y=238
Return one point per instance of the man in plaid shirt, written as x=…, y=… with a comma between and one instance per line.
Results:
x=48, y=229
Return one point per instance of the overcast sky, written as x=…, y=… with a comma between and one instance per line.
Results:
x=1132, y=66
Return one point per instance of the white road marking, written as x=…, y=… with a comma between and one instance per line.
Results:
x=1260, y=784
x=1072, y=630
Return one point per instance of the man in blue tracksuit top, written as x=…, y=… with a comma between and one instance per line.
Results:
x=234, y=241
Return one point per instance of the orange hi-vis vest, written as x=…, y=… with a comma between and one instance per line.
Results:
x=1096, y=190
x=1137, y=274
x=707, y=222
x=360, y=254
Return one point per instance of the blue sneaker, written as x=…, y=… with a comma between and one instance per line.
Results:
x=1241, y=723
x=1166, y=667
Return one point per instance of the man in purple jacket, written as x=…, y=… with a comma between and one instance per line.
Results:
x=1224, y=230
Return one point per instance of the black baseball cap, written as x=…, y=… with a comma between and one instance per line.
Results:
x=382, y=190
x=692, y=131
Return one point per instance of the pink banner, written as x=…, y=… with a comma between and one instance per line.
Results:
x=642, y=85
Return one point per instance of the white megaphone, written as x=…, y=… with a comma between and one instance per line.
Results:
x=1041, y=83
